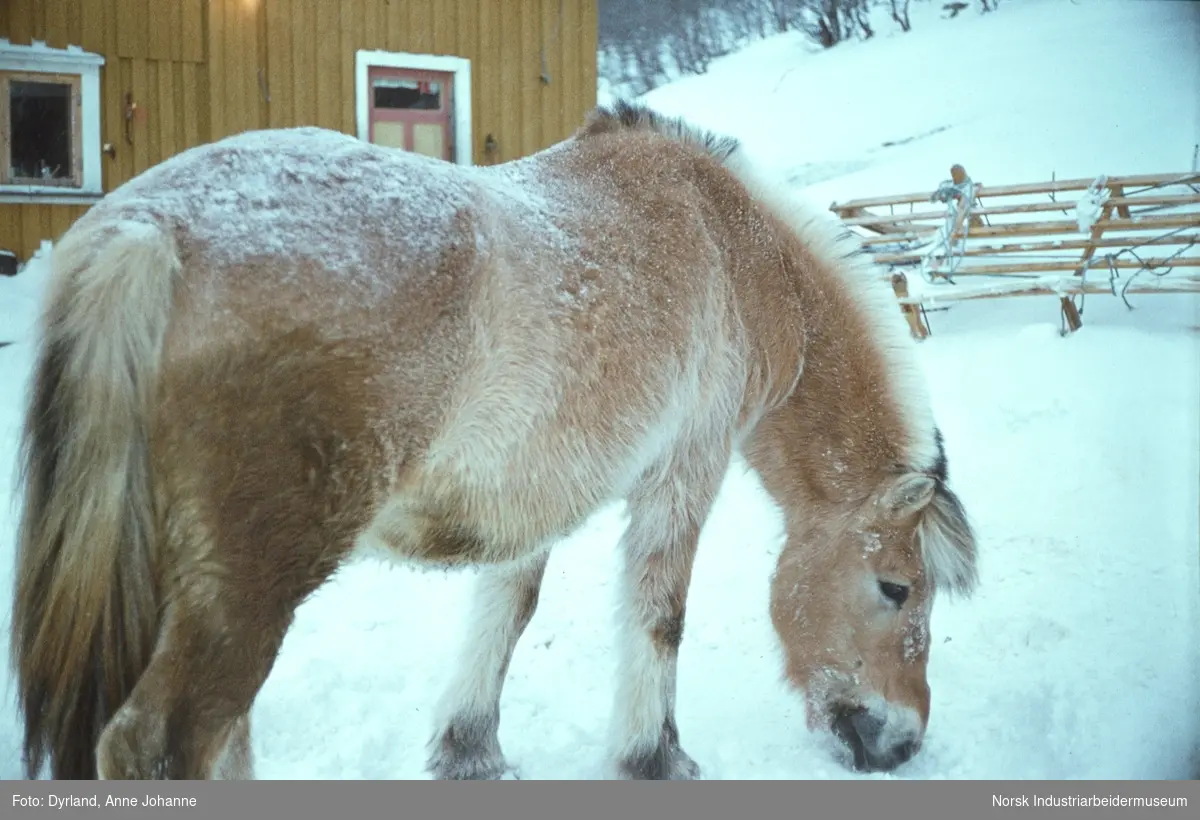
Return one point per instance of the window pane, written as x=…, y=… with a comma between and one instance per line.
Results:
x=391, y=92
x=41, y=130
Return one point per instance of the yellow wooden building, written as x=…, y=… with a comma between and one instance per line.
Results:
x=93, y=92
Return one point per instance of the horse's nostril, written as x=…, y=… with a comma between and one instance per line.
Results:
x=905, y=751
x=846, y=728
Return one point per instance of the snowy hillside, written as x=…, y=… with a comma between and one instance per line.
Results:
x=1078, y=457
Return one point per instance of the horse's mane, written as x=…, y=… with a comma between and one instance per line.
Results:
x=624, y=115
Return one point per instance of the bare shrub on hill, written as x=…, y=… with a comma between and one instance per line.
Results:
x=643, y=45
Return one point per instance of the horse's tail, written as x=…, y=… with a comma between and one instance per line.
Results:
x=86, y=605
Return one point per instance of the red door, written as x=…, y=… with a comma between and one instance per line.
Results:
x=411, y=110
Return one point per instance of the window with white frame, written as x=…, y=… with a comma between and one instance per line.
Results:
x=49, y=120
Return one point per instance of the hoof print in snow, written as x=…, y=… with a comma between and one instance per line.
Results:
x=1044, y=634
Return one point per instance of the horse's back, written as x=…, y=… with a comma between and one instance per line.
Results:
x=348, y=223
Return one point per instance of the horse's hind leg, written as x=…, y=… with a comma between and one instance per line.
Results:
x=186, y=717
x=466, y=745
x=236, y=762
x=666, y=515
x=268, y=482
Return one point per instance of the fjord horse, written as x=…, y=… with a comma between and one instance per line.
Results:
x=272, y=352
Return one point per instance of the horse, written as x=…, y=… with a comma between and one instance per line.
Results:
x=273, y=353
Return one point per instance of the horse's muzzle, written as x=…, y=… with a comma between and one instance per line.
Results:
x=866, y=737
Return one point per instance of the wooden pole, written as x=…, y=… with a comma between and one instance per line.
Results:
x=1131, y=181
x=1089, y=250
x=911, y=312
x=1058, y=288
x=1071, y=314
x=875, y=222
x=1180, y=239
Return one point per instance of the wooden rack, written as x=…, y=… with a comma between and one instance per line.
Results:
x=1123, y=235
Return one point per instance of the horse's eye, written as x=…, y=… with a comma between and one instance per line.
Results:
x=896, y=593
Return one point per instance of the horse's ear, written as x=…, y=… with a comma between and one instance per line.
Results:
x=907, y=495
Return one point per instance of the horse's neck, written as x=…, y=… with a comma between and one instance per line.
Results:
x=841, y=410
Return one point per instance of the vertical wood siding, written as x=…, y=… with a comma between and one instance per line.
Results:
x=199, y=70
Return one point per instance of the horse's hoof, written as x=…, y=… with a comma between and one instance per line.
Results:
x=467, y=749
x=664, y=763
x=686, y=768
x=471, y=768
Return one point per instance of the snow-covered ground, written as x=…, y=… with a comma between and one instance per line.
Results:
x=1078, y=457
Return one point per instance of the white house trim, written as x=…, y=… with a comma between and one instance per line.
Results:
x=38, y=57
x=460, y=67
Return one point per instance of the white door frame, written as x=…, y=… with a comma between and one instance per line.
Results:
x=460, y=67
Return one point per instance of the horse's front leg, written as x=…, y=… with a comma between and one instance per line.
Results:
x=466, y=744
x=667, y=514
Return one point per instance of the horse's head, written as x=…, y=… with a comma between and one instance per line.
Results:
x=851, y=602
